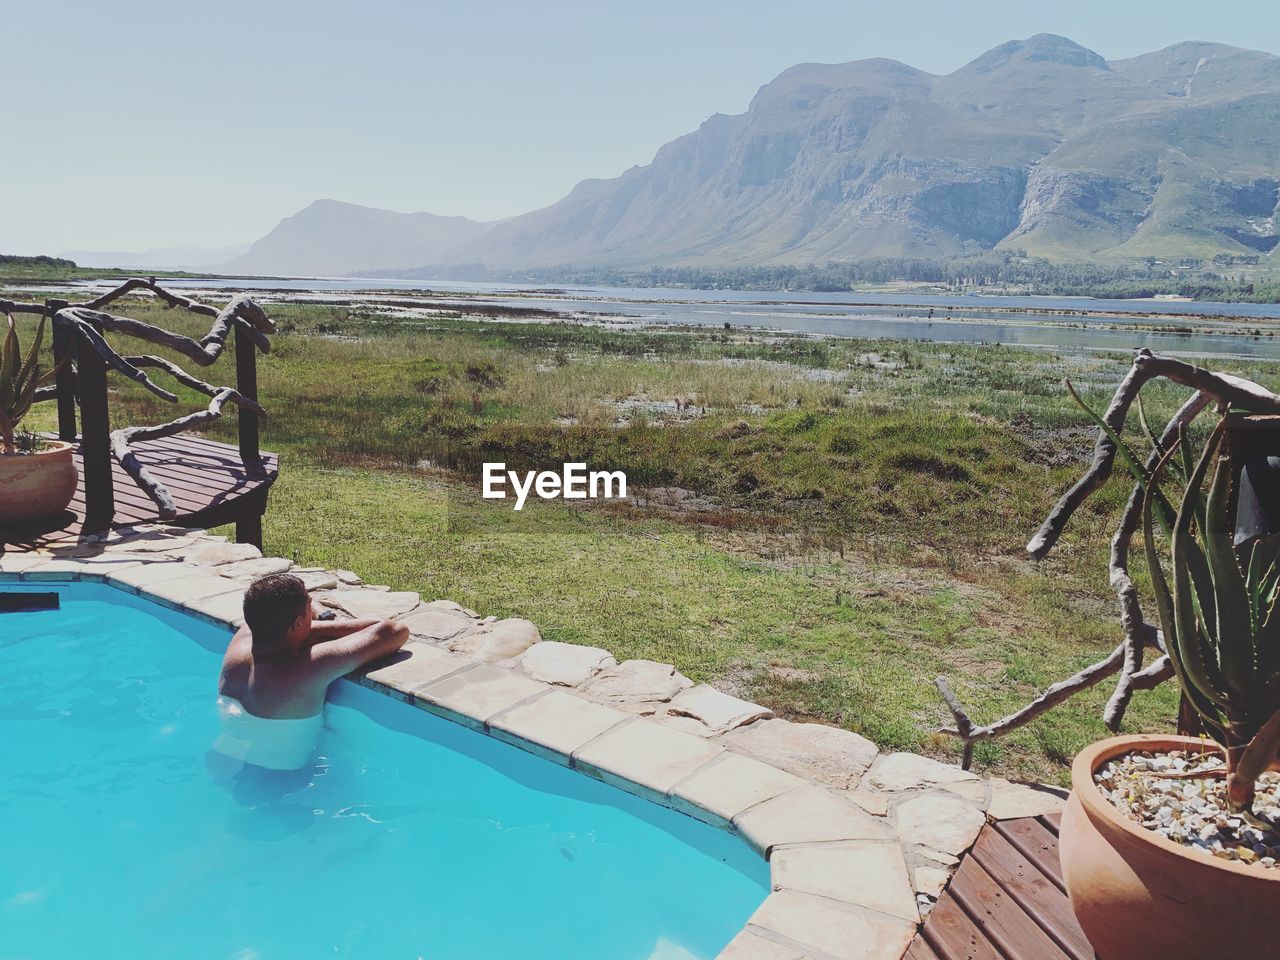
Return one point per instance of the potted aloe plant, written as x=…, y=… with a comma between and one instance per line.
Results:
x=1169, y=845
x=37, y=477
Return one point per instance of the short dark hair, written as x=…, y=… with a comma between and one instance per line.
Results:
x=271, y=605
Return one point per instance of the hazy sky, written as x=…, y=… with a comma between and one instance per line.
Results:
x=133, y=124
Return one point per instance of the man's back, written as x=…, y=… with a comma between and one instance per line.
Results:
x=280, y=687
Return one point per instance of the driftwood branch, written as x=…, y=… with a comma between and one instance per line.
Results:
x=175, y=371
x=1211, y=389
x=1154, y=675
x=14, y=306
x=1138, y=634
x=241, y=313
x=112, y=359
x=138, y=283
x=968, y=731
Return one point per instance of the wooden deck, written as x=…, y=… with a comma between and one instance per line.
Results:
x=1006, y=901
x=210, y=483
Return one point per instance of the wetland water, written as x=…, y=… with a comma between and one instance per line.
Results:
x=1065, y=323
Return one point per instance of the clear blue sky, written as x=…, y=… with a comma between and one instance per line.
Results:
x=154, y=123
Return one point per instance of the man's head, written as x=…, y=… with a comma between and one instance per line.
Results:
x=276, y=607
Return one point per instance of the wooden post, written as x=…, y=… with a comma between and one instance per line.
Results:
x=95, y=442
x=64, y=352
x=247, y=384
x=249, y=529
x=249, y=526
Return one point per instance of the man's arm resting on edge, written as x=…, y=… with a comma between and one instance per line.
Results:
x=353, y=649
x=325, y=630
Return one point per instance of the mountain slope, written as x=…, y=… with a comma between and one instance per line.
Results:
x=1039, y=144
x=329, y=238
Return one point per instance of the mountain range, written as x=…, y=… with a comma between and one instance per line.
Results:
x=1039, y=145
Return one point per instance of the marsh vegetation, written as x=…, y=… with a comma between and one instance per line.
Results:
x=849, y=523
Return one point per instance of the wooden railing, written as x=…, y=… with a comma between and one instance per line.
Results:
x=85, y=357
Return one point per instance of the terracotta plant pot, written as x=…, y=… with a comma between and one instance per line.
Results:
x=1139, y=895
x=36, y=486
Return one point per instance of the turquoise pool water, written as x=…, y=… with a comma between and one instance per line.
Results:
x=123, y=836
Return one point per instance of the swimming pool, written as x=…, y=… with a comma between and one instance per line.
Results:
x=407, y=837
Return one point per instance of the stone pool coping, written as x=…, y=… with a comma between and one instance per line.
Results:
x=859, y=844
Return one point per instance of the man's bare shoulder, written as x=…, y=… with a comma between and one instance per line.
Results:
x=236, y=662
x=239, y=650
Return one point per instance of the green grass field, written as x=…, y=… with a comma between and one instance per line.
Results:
x=864, y=504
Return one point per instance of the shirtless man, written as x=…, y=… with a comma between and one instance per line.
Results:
x=281, y=662
x=278, y=668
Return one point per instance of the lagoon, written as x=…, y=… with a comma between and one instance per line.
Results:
x=1073, y=324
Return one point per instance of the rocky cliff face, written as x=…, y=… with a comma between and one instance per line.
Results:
x=1039, y=144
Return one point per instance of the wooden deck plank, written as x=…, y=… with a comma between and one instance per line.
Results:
x=202, y=458
x=203, y=446
x=954, y=936
x=1037, y=843
x=202, y=476
x=1034, y=892
x=208, y=481
x=1004, y=903
x=1000, y=916
x=920, y=950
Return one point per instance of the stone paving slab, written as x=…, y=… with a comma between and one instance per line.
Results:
x=637, y=683
x=750, y=945
x=719, y=792
x=947, y=824
x=181, y=591
x=1011, y=800
x=15, y=563
x=930, y=881
x=433, y=623
x=874, y=803
x=555, y=725
x=100, y=567
x=695, y=728
x=833, y=929
x=644, y=757
x=149, y=576
x=809, y=814
x=217, y=554
x=865, y=873
x=224, y=610
x=564, y=664
x=838, y=758
x=499, y=640
x=365, y=603
x=415, y=665
x=474, y=695
x=316, y=579
x=716, y=711
x=910, y=771
x=156, y=541
x=53, y=570
x=251, y=570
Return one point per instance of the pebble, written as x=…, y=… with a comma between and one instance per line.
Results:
x=1193, y=812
